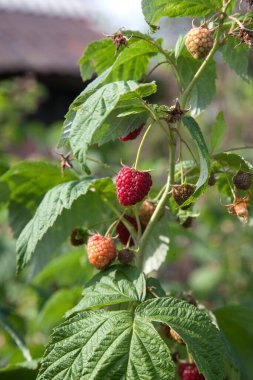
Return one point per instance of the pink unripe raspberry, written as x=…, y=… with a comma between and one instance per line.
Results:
x=101, y=251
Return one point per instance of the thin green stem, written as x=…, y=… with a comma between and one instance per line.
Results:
x=238, y=148
x=101, y=163
x=128, y=225
x=138, y=222
x=141, y=145
x=165, y=53
x=160, y=206
x=153, y=69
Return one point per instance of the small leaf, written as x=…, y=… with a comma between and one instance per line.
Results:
x=157, y=247
x=204, y=159
x=105, y=345
x=156, y=9
x=233, y=161
x=115, y=285
x=154, y=288
x=204, y=89
x=59, y=213
x=98, y=56
x=202, y=338
x=217, y=131
x=236, y=55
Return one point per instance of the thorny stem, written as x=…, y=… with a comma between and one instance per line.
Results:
x=141, y=145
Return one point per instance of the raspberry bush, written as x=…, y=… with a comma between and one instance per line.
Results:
x=125, y=326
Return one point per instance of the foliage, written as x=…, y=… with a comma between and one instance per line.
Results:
x=116, y=330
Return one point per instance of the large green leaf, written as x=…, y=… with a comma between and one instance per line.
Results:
x=202, y=338
x=156, y=9
x=62, y=209
x=204, y=89
x=157, y=247
x=217, y=131
x=27, y=183
x=236, y=55
x=104, y=345
x=204, y=159
x=115, y=285
x=97, y=57
x=131, y=63
x=94, y=112
x=236, y=323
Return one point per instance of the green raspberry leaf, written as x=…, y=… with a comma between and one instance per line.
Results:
x=236, y=55
x=154, y=10
x=61, y=210
x=217, y=131
x=131, y=63
x=204, y=158
x=114, y=285
x=27, y=184
x=91, y=119
x=202, y=338
x=235, y=321
x=233, y=161
x=204, y=89
x=106, y=345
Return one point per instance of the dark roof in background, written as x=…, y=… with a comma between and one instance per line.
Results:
x=42, y=43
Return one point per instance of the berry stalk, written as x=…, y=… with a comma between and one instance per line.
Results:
x=160, y=205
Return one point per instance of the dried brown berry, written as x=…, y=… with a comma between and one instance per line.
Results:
x=176, y=337
x=78, y=237
x=212, y=179
x=199, y=41
x=146, y=211
x=181, y=193
x=239, y=207
x=188, y=222
x=126, y=256
x=242, y=180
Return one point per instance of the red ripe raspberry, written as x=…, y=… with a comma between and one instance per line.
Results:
x=189, y=371
x=101, y=251
x=132, y=185
x=132, y=135
x=199, y=42
x=123, y=232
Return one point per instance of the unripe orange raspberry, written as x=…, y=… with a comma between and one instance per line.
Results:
x=101, y=251
x=147, y=209
x=199, y=41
